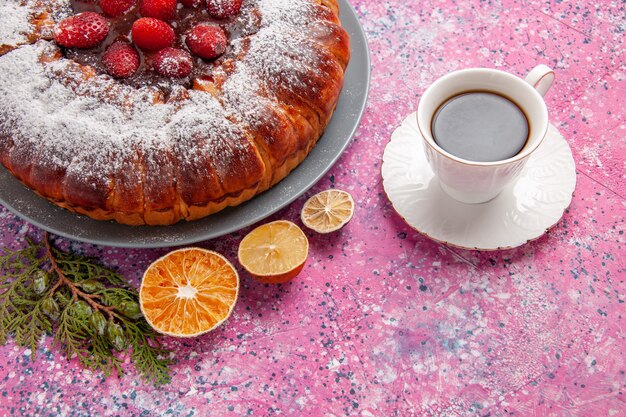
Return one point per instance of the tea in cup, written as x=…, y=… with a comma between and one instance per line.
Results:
x=479, y=127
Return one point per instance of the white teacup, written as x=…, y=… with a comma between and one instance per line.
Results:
x=477, y=182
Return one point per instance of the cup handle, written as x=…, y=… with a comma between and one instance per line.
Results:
x=541, y=77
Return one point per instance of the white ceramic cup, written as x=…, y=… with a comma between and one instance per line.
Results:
x=477, y=182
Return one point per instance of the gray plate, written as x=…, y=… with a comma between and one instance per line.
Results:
x=38, y=211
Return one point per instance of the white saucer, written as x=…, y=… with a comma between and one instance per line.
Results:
x=523, y=211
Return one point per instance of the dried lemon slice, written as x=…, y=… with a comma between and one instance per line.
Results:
x=328, y=211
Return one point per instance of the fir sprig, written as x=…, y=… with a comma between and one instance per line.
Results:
x=91, y=310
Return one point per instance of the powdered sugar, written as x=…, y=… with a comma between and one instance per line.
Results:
x=297, y=14
x=278, y=55
x=17, y=17
x=16, y=24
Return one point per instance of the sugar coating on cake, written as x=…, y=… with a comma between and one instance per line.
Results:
x=89, y=128
x=16, y=23
x=16, y=17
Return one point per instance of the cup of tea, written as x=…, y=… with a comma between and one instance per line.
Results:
x=479, y=127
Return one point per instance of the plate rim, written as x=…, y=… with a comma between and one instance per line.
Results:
x=357, y=32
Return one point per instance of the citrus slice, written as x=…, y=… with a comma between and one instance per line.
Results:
x=328, y=211
x=188, y=292
x=274, y=252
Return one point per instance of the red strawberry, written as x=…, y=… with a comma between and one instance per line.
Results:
x=84, y=30
x=207, y=41
x=115, y=8
x=222, y=9
x=152, y=34
x=192, y=3
x=121, y=60
x=159, y=9
x=173, y=62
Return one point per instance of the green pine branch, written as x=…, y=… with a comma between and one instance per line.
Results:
x=79, y=268
x=92, y=311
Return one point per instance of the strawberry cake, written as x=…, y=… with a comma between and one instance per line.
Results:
x=154, y=111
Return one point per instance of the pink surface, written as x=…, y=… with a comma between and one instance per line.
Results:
x=383, y=321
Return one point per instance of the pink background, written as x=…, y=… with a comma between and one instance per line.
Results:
x=383, y=321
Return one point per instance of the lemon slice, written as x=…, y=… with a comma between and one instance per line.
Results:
x=328, y=211
x=274, y=252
